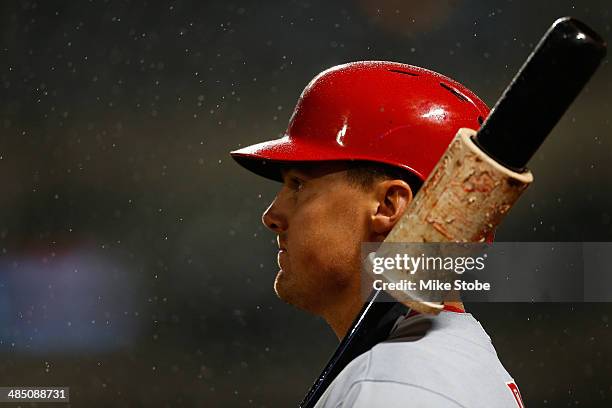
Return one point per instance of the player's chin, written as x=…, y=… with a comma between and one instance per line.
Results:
x=289, y=291
x=280, y=284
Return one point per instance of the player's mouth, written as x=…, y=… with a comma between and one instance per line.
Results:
x=282, y=254
x=282, y=251
x=282, y=245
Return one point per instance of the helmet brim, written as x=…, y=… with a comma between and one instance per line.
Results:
x=267, y=158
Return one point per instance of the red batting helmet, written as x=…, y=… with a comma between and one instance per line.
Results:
x=377, y=111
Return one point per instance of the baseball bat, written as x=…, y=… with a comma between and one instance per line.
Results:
x=545, y=86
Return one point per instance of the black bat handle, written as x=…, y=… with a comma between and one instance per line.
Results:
x=543, y=89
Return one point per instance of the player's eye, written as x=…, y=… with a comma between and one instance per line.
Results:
x=296, y=183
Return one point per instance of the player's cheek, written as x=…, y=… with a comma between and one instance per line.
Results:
x=316, y=250
x=325, y=242
x=342, y=248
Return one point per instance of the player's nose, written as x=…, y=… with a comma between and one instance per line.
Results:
x=273, y=218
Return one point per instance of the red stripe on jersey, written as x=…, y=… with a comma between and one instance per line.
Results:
x=516, y=394
x=447, y=308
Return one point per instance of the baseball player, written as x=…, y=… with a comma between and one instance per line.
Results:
x=361, y=141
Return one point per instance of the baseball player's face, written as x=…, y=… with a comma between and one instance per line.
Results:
x=320, y=219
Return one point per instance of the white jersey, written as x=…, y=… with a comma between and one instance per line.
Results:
x=428, y=361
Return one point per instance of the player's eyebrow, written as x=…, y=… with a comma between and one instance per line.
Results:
x=293, y=171
x=308, y=171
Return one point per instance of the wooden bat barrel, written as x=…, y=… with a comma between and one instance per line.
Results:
x=463, y=200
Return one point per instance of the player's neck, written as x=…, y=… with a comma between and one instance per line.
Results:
x=341, y=317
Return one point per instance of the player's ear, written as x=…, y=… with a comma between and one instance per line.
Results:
x=392, y=198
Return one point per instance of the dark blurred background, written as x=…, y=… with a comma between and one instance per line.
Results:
x=133, y=264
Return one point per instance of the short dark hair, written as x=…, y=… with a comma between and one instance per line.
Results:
x=365, y=173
